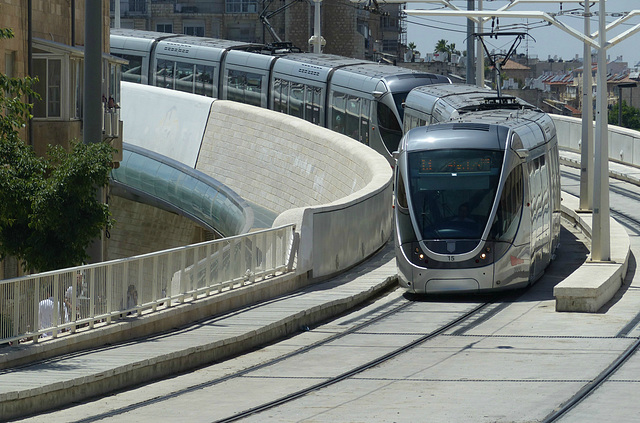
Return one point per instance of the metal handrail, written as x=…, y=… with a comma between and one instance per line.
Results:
x=51, y=303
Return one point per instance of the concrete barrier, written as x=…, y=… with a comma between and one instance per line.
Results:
x=336, y=190
x=624, y=144
x=594, y=283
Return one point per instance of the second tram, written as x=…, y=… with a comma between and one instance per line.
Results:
x=357, y=98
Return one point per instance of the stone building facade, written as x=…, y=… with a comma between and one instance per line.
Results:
x=57, y=31
x=349, y=30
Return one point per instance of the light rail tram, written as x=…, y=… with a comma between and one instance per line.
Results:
x=358, y=98
x=477, y=184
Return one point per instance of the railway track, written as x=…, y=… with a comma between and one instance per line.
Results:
x=632, y=224
x=466, y=316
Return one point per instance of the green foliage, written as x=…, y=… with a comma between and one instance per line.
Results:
x=442, y=46
x=630, y=116
x=49, y=213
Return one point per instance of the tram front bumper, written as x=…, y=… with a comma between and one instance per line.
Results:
x=432, y=281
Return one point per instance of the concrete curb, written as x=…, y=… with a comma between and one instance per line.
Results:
x=594, y=283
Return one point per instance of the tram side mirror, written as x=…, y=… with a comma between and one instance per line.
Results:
x=523, y=153
x=377, y=94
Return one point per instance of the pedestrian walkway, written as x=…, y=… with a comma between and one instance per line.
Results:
x=73, y=377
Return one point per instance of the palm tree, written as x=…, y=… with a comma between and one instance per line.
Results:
x=441, y=47
x=451, y=49
x=412, y=47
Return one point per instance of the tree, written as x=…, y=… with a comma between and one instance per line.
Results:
x=412, y=47
x=49, y=213
x=630, y=116
x=451, y=48
x=442, y=46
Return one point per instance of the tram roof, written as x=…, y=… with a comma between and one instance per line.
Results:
x=460, y=97
x=483, y=130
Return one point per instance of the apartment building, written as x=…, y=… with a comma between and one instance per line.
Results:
x=348, y=29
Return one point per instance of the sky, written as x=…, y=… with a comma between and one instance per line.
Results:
x=424, y=32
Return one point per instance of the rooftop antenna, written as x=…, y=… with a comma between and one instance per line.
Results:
x=498, y=60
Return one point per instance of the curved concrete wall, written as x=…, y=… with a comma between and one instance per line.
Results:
x=167, y=122
x=337, y=191
x=624, y=144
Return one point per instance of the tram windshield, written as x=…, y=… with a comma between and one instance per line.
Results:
x=452, y=191
x=399, y=99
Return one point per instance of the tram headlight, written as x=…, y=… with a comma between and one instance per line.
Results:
x=418, y=257
x=485, y=256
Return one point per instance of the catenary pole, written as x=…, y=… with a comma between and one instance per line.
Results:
x=600, y=248
x=586, y=148
x=480, y=54
x=471, y=26
x=316, y=26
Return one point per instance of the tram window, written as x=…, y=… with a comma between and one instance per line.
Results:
x=276, y=94
x=401, y=193
x=444, y=183
x=317, y=106
x=284, y=96
x=338, y=111
x=296, y=103
x=353, y=117
x=164, y=74
x=390, y=128
x=244, y=87
x=204, y=80
x=510, y=207
x=133, y=71
x=312, y=104
x=308, y=103
x=365, y=113
x=184, y=77
x=556, y=177
x=254, y=89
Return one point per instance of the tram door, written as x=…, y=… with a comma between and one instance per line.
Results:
x=540, y=213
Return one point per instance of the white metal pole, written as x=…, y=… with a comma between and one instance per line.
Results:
x=316, y=26
x=471, y=26
x=479, y=54
x=116, y=14
x=600, y=236
x=586, y=150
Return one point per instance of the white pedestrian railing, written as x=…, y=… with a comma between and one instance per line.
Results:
x=48, y=304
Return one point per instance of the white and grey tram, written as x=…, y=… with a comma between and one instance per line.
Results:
x=357, y=98
x=477, y=204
